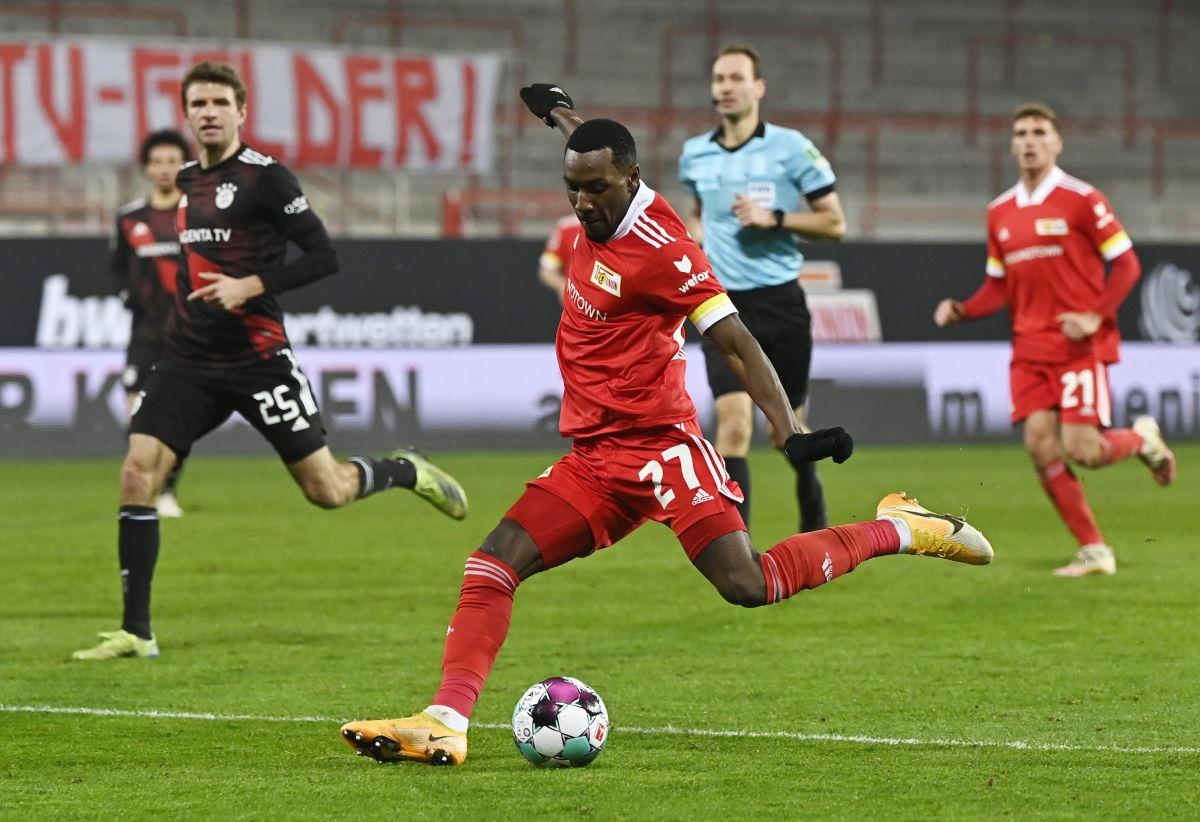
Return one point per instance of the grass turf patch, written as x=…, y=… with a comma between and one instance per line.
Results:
x=264, y=605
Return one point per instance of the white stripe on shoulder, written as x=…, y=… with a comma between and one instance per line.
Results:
x=1076, y=184
x=254, y=158
x=660, y=229
x=657, y=233
x=1008, y=195
x=189, y=164
x=636, y=228
x=131, y=206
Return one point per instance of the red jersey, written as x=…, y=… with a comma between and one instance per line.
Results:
x=1051, y=247
x=561, y=242
x=620, y=339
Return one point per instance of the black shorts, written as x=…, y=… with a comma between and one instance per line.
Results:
x=181, y=403
x=139, y=360
x=778, y=318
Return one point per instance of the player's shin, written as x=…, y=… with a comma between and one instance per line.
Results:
x=1066, y=492
x=808, y=560
x=476, y=632
x=1117, y=444
x=138, y=552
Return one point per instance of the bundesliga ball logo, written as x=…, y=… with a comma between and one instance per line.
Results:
x=560, y=722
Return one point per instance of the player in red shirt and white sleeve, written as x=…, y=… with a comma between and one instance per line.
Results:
x=635, y=278
x=1050, y=238
x=556, y=256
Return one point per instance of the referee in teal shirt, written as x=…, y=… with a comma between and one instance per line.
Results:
x=748, y=178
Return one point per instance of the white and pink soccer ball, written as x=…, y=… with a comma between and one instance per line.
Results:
x=560, y=722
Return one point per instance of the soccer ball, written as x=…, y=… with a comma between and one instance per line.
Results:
x=560, y=722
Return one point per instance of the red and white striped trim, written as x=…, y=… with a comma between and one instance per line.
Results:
x=1075, y=184
x=716, y=466
x=650, y=231
x=480, y=566
x=1006, y=196
x=1053, y=470
x=771, y=572
x=1103, y=399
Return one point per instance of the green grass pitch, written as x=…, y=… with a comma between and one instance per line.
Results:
x=266, y=607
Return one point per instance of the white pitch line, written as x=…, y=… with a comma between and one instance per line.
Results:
x=669, y=730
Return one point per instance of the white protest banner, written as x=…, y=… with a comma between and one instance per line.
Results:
x=91, y=99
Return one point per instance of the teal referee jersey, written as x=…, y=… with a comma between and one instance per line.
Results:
x=775, y=168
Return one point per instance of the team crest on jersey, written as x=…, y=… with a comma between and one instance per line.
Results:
x=607, y=279
x=1051, y=227
x=140, y=229
x=225, y=192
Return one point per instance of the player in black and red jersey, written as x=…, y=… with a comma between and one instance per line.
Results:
x=145, y=266
x=226, y=349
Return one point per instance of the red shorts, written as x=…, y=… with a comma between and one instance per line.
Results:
x=1077, y=389
x=612, y=484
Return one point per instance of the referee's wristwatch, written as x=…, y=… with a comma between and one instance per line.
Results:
x=779, y=215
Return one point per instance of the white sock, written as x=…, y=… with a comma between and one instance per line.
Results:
x=903, y=530
x=449, y=717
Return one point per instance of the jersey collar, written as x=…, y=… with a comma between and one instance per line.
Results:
x=715, y=137
x=1039, y=195
x=640, y=202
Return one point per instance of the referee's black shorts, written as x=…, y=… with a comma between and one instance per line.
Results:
x=778, y=318
x=181, y=403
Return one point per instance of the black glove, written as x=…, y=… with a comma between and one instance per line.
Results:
x=828, y=442
x=542, y=97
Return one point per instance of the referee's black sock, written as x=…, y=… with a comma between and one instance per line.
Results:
x=739, y=472
x=811, y=498
x=380, y=475
x=137, y=550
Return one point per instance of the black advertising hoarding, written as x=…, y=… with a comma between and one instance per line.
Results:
x=448, y=343
x=389, y=294
x=437, y=293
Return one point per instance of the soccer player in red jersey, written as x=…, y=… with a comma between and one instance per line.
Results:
x=1050, y=238
x=556, y=256
x=638, y=454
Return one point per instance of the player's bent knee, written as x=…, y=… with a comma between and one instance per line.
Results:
x=324, y=495
x=512, y=545
x=141, y=474
x=744, y=589
x=733, y=437
x=137, y=484
x=1085, y=454
x=1043, y=449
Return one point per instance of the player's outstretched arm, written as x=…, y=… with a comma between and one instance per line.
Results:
x=553, y=106
x=985, y=302
x=746, y=358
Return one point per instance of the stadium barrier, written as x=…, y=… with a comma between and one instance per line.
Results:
x=450, y=344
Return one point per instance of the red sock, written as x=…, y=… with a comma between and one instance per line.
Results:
x=477, y=630
x=1066, y=493
x=1118, y=444
x=808, y=560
